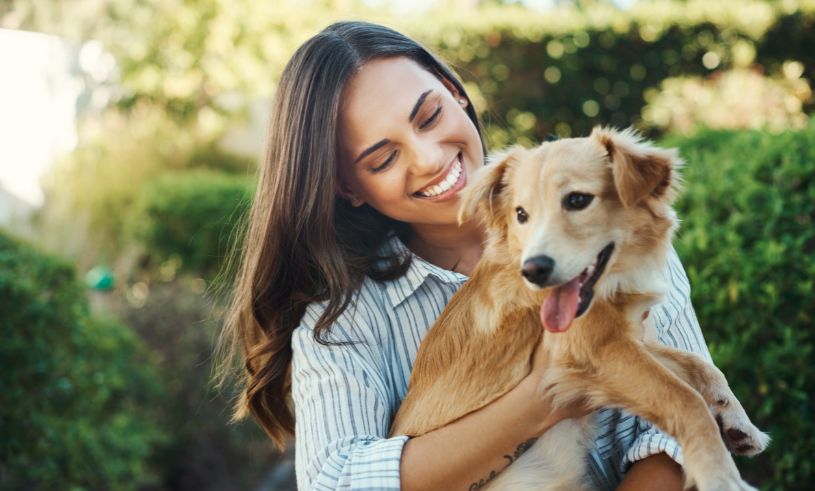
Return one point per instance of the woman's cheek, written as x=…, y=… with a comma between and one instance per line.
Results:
x=390, y=186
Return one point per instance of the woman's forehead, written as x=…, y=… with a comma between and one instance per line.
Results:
x=382, y=93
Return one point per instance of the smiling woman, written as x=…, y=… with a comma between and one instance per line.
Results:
x=426, y=145
x=353, y=250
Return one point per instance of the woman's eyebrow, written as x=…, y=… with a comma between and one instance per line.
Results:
x=418, y=104
x=375, y=146
x=372, y=148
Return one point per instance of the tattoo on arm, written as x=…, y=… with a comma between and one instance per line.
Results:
x=483, y=482
x=523, y=447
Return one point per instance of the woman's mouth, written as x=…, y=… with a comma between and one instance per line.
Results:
x=448, y=186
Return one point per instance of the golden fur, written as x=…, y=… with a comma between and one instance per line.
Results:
x=481, y=345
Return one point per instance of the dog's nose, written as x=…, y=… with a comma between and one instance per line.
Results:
x=537, y=269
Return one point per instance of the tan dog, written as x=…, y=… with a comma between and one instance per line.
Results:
x=579, y=230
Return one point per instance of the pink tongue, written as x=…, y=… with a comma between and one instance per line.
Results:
x=559, y=308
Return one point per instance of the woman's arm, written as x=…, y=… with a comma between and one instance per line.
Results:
x=469, y=452
x=654, y=473
x=342, y=411
x=343, y=408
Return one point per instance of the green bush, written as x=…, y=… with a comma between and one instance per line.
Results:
x=90, y=190
x=748, y=243
x=80, y=399
x=188, y=217
x=561, y=71
x=179, y=325
x=734, y=99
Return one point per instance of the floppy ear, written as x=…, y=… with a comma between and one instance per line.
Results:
x=487, y=183
x=640, y=169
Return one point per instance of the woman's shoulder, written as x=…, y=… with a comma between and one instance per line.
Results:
x=366, y=311
x=379, y=310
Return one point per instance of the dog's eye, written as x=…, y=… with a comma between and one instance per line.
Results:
x=577, y=201
x=522, y=215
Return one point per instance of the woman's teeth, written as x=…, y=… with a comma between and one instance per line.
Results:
x=446, y=184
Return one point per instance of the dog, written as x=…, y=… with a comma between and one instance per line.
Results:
x=578, y=235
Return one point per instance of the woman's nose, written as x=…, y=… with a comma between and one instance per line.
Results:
x=428, y=159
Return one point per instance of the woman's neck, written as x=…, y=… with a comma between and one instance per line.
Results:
x=451, y=247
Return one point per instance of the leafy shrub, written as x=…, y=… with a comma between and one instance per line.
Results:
x=79, y=396
x=748, y=243
x=188, y=216
x=203, y=452
x=561, y=71
x=731, y=99
x=90, y=191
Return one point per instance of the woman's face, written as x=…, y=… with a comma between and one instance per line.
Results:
x=408, y=147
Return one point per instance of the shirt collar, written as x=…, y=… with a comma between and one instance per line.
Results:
x=401, y=288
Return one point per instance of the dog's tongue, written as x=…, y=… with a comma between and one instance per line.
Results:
x=559, y=308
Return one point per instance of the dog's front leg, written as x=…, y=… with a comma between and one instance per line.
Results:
x=739, y=434
x=624, y=374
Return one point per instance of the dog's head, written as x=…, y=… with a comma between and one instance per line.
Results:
x=580, y=215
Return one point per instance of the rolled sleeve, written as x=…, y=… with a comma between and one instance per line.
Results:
x=651, y=441
x=676, y=326
x=360, y=463
x=342, y=416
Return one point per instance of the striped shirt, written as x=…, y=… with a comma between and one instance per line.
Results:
x=346, y=396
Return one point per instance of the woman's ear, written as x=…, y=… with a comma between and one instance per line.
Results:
x=640, y=170
x=346, y=193
x=483, y=193
x=462, y=101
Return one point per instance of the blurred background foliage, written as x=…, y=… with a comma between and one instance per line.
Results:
x=110, y=390
x=747, y=240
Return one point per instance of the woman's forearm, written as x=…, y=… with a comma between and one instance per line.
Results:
x=472, y=450
x=655, y=473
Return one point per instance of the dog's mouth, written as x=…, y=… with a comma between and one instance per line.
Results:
x=570, y=300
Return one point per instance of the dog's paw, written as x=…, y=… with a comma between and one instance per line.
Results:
x=740, y=435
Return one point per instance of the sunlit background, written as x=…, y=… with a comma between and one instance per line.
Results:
x=131, y=130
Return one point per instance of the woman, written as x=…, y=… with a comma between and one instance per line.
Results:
x=352, y=252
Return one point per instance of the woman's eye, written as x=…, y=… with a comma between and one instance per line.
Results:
x=521, y=214
x=577, y=201
x=384, y=164
x=431, y=119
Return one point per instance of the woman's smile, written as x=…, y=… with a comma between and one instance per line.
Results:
x=446, y=185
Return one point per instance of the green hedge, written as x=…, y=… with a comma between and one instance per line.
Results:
x=604, y=56
x=188, y=216
x=748, y=243
x=79, y=396
x=566, y=70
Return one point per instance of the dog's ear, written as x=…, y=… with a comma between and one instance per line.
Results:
x=640, y=169
x=487, y=184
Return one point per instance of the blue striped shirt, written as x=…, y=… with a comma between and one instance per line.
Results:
x=346, y=396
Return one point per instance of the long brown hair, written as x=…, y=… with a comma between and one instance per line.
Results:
x=302, y=243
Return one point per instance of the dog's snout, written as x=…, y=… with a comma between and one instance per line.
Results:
x=538, y=269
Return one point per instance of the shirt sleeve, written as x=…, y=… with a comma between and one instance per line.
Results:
x=342, y=416
x=676, y=325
